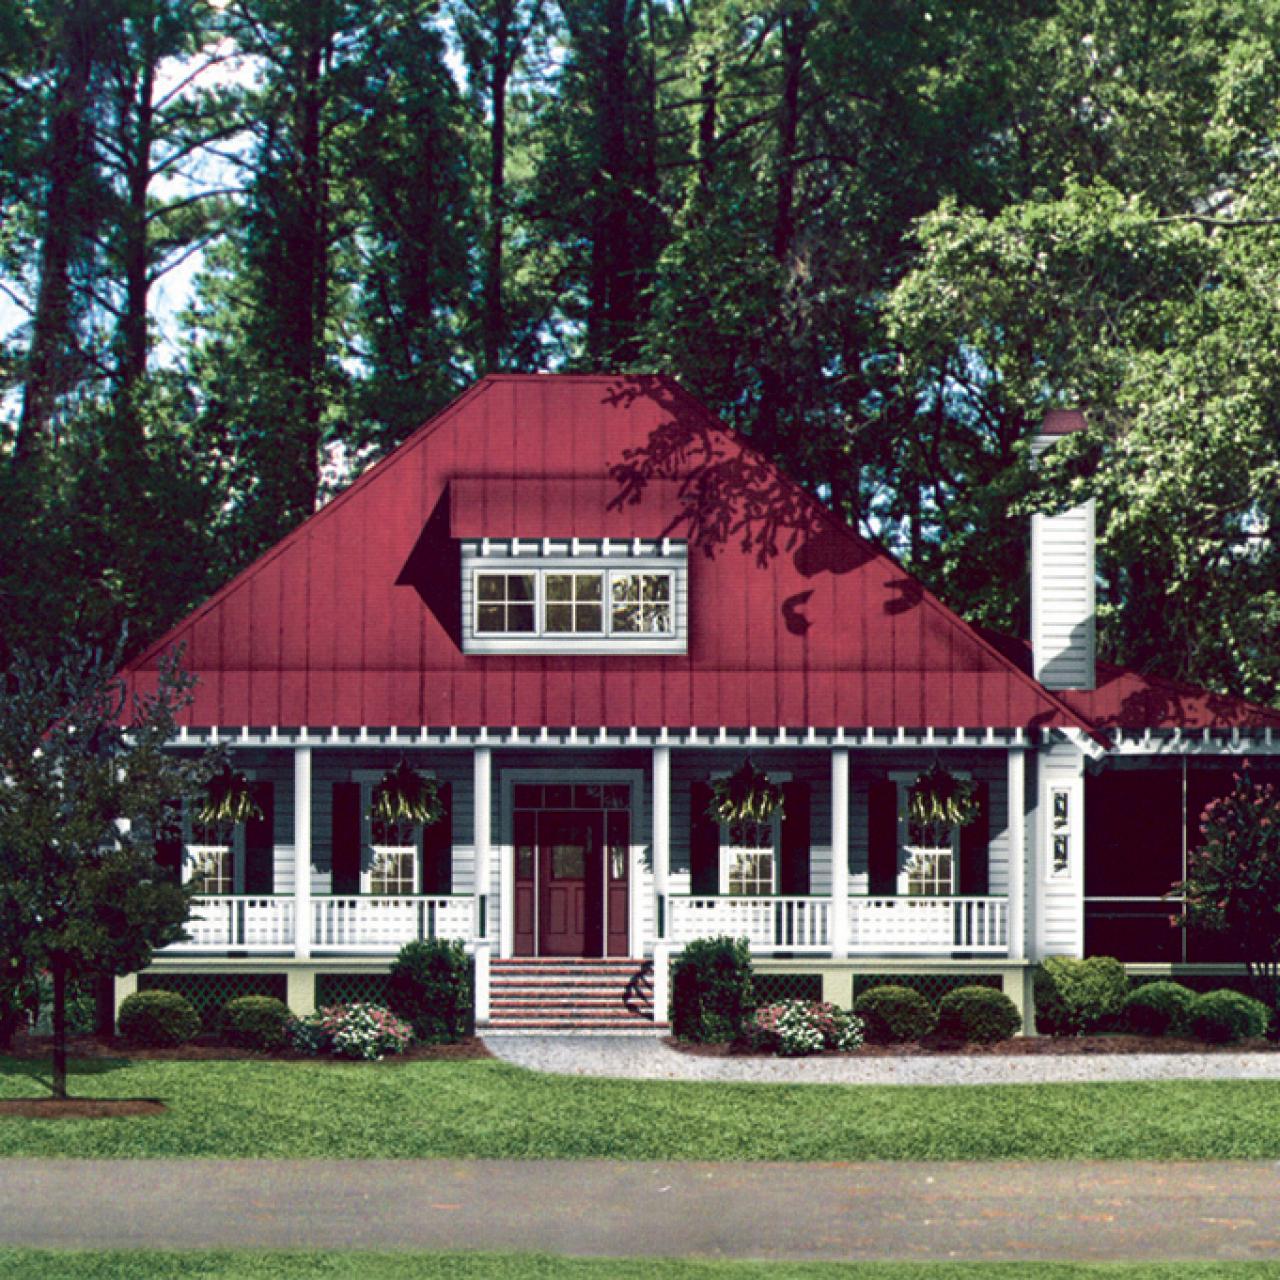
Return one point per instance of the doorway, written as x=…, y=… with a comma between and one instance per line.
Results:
x=572, y=844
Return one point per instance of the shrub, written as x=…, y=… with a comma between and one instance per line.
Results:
x=1158, y=1009
x=255, y=1022
x=158, y=1019
x=978, y=1015
x=430, y=988
x=794, y=1028
x=894, y=1015
x=358, y=1030
x=1078, y=996
x=1224, y=1016
x=712, y=993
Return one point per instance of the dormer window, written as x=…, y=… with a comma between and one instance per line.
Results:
x=574, y=596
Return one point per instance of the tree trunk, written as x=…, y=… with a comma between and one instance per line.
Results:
x=49, y=357
x=133, y=324
x=58, y=973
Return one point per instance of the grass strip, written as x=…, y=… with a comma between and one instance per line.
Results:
x=39, y=1264
x=486, y=1109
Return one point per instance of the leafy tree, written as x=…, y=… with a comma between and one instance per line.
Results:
x=86, y=787
x=1233, y=878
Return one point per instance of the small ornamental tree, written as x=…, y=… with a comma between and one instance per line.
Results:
x=86, y=789
x=1233, y=879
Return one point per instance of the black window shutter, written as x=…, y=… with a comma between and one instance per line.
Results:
x=169, y=841
x=704, y=842
x=259, y=840
x=975, y=843
x=347, y=838
x=793, y=874
x=437, y=847
x=882, y=835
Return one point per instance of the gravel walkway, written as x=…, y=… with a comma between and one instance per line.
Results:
x=636, y=1057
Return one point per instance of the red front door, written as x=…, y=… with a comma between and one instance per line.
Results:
x=568, y=871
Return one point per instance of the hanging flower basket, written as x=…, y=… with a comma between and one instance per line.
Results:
x=405, y=795
x=229, y=799
x=747, y=795
x=939, y=801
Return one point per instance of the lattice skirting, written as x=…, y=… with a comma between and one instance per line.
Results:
x=209, y=992
x=772, y=987
x=346, y=988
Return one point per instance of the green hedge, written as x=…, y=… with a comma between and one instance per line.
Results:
x=1157, y=1009
x=157, y=1019
x=978, y=1015
x=1074, y=997
x=894, y=1014
x=430, y=987
x=712, y=991
x=255, y=1022
x=1221, y=1017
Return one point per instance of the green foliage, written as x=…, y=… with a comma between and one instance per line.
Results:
x=1221, y=1017
x=430, y=987
x=796, y=1028
x=157, y=1019
x=746, y=795
x=977, y=1015
x=229, y=799
x=405, y=795
x=255, y=1022
x=89, y=789
x=712, y=993
x=1074, y=997
x=1233, y=877
x=894, y=1015
x=359, y=1030
x=1158, y=1009
x=939, y=801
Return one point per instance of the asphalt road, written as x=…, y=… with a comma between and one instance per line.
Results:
x=1086, y=1211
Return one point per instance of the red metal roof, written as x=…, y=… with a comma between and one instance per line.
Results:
x=794, y=620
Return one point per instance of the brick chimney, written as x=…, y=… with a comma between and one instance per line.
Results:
x=1063, y=606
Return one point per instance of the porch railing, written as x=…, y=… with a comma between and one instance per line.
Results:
x=925, y=925
x=916, y=926
x=769, y=924
x=386, y=924
x=234, y=923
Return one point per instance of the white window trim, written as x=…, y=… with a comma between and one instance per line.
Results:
x=903, y=780
x=192, y=850
x=1074, y=792
x=605, y=557
x=774, y=775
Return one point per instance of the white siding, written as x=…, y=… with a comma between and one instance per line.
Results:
x=1060, y=900
x=1062, y=598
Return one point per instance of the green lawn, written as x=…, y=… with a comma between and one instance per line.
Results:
x=490, y=1109
x=225, y=1265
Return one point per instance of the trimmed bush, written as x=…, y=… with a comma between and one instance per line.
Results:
x=1074, y=997
x=1221, y=1017
x=158, y=1019
x=1158, y=1009
x=359, y=1030
x=795, y=1028
x=894, y=1015
x=712, y=992
x=978, y=1015
x=430, y=988
x=255, y=1022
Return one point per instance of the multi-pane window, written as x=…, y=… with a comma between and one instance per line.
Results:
x=749, y=855
x=561, y=603
x=211, y=868
x=393, y=870
x=641, y=603
x=929, y=872
x=575, y=603
x=506, y=603
x=928, y=859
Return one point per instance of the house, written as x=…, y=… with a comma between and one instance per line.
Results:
x=574, y=603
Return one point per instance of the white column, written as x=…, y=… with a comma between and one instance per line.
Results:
x=1017, y=825
x=483, y=788
x=839, y=852
x=302, y=852
x=661, y=841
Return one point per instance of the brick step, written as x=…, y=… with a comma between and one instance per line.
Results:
x=585, y=986
x=557, y=1029
x=565, y=971
x=568, y=1023
x=558, y=996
